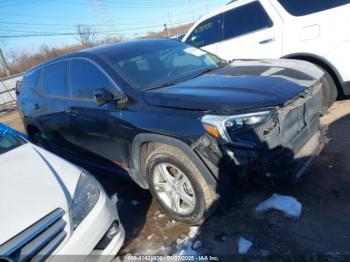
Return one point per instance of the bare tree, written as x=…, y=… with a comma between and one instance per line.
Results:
x=86, y=35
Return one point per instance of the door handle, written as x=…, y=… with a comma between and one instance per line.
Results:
x=266, y=41
x=71, y=111
x=36, y=107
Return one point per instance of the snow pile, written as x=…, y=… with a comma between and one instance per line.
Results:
x=194, y=231
x=186, y=247
x=244, y=245
x=288, y=205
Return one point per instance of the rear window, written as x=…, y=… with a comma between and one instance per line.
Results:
x=245, y=19
x=54, y=81
x=302, y=7
x=206, y=33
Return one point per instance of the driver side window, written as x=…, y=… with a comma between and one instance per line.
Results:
x=85, y=78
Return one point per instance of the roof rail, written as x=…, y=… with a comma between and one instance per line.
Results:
x=232, y=1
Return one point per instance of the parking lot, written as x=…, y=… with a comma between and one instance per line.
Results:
x=323, y=227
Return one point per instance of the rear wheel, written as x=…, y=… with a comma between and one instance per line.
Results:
x=178, y=186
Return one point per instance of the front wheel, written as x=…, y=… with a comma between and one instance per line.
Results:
x=178, y=185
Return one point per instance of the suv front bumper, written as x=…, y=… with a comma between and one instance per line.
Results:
x=283, y=147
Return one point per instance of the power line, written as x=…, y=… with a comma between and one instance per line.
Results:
x=115, y=32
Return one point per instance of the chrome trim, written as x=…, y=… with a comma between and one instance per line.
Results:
x=41, y=241
x=52, y=221
x=50, y=248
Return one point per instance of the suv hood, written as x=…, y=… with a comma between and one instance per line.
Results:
x=33, y=183
x=242, y=85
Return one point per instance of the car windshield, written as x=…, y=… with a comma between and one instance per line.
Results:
x=9, y=139
x=164, y=63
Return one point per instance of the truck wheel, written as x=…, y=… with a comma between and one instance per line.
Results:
x=178, y=186
x=330, y=91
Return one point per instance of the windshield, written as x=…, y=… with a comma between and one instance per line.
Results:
x=167, y=63
x=9, y=139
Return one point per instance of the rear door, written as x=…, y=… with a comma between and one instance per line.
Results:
x=207, y=34
x=51, y=101
x=251, y=30
x=97, y=130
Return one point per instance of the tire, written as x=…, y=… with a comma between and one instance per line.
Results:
x=171, y=163
x=39, y=140
x=330, y=91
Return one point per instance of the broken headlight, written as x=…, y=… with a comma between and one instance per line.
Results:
x=218, y=125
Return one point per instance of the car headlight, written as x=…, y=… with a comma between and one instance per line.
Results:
x=86, y=196
x=218, y=126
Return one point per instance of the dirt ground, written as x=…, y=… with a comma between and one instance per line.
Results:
x=322, y=229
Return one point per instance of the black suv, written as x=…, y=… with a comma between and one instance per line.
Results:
x=179, y=121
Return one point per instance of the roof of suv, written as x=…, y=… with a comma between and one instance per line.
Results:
x=94, y=51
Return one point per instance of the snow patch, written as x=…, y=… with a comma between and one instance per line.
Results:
x=185, y=245
x=194, y=231
x=288, y=205
x=244, y=245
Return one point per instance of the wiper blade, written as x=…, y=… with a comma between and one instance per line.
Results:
x=205, y=72
x=161, y=86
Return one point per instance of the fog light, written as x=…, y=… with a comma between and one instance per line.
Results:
x=113, y=230
x=110, y=234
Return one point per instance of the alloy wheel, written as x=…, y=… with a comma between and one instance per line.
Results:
x=174, y=188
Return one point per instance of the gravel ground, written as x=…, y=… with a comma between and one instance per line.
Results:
x=322, y=229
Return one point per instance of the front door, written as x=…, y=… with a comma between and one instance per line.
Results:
x=97, y=130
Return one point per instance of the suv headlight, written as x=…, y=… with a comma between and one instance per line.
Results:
x=218, y=126
x=86, y=196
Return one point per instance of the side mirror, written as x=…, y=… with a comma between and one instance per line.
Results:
x=103, y=96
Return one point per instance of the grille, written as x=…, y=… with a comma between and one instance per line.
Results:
x=39, y=240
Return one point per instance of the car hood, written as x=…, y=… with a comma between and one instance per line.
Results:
x=242, y=85
x=33, y=183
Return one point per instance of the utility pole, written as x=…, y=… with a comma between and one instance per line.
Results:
x=3, y=63
x=166, y=29
x=189, y=1
x=170, y=23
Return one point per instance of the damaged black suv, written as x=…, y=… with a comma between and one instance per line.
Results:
x=179, y=121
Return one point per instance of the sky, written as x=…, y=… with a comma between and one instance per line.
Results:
x=21, y=19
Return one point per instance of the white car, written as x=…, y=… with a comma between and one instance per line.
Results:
x=316, y=31
x=51, y=207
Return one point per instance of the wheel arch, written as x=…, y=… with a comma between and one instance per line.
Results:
x=135, y=157
x=322, y=62
x=32, y=129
